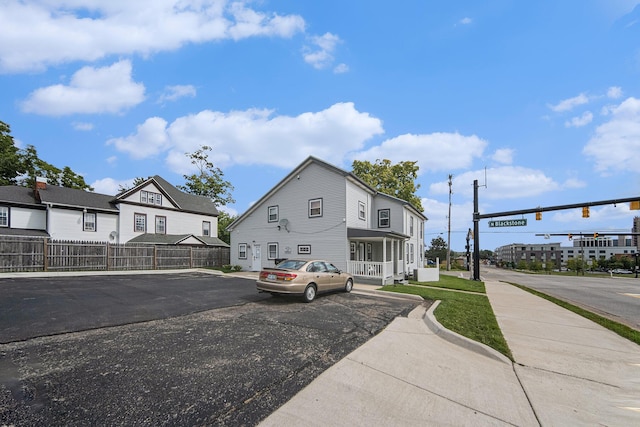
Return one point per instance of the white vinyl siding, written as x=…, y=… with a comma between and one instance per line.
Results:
x=67, y=224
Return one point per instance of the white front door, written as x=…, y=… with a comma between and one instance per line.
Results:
x=256, y=262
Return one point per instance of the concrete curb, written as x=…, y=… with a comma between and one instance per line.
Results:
x=460, y=340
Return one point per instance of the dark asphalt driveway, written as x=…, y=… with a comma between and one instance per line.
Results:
x=183, y=357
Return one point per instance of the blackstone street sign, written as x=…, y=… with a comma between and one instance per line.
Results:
x=508, y=223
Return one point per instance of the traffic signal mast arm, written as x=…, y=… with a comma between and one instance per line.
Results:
x=558, y=208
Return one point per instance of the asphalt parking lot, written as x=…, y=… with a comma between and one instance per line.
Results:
x=179, y=349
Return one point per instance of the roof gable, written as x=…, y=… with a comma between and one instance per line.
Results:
x=179, y=199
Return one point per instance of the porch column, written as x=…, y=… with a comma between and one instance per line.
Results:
x=393, y=255
x=384, y=259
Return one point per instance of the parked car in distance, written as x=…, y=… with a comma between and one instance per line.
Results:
x=303, y=277
x=621, y=271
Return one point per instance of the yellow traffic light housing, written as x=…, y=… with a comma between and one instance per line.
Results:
x=595, y=236
x=570, y=236
x=585, y=212
x=538, y=216
x=634, y=206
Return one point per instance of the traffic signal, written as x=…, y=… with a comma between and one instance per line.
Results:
x=538, y=216
x=570, y=236
x=585, y=212
x=595, y=236
x=634, y=206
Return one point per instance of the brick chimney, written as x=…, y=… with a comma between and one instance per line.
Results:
x=41, y=183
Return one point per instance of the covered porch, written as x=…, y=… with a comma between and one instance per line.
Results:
x=376, y=257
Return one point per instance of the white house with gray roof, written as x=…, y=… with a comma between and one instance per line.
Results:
x=319, y=211
x=153, y=212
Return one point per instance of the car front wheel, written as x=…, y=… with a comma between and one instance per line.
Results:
x=348, y=286
x=309, y=293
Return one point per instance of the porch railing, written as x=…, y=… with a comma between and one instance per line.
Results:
x=370, y=268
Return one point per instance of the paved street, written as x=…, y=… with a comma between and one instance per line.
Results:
x=175, y=354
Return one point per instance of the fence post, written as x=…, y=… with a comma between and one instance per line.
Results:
x=45, y=255
x=190, y=256
x=108, y=257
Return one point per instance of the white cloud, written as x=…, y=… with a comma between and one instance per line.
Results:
x=573, y=183
x=579, y=121
x=465, y=21
x=503, y=155
x=616, y=143
x=438, y=223
x=90, y=91
x=570, y=103
x=149, y=140
x=110, y=185
x=507, y=182
x=173, y=93
x=341, y=69
x=254, y=137
x=614, y=92
x=321, y=55
x=434, y=152
x=38, y=34
x=82, y=126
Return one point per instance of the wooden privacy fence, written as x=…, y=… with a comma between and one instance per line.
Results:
x=42, y=254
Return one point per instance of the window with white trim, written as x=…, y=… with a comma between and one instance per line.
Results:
x=4, y=216
x=161, y=225
x=315, y=208
x=412, y=255
x=140, y=223
x=272, y=250
x=384, y=218
x=89, y=221
x=273, y=214
x=352, y=251
x=150, y=198
x=206, y=228
x=242, y=250
x=411, y=226
x=362, y=213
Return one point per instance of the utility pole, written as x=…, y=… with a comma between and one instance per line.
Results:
x=449, y=227
x=476, y=232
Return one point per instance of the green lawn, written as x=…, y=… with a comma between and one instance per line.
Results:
x=452, y=282
x=469, y=315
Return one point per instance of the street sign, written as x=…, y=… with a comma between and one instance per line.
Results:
x=508, y=223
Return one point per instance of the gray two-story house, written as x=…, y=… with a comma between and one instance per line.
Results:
x=319, y=211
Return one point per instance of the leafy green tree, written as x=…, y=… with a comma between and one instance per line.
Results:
x=209, y=180
x=224, y=219
x=438, y=249
x=35, y=167
x=11, y=166
x=398, y=180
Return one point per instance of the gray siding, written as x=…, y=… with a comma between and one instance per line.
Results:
x=327, y=235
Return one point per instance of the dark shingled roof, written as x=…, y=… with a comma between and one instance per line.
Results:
x=17, y=195
x=22, y=232
x=175, y=239
x=77, y=198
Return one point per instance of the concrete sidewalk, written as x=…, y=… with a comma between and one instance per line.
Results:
x=574, y=371
x=568, y=371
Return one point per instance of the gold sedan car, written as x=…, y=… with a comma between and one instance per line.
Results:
x=303, y=277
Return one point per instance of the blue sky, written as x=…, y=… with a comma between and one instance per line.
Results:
x=542, y=97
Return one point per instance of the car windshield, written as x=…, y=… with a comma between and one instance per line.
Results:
x=291, y=264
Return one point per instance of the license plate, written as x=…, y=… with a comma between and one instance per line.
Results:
x=271, y=277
